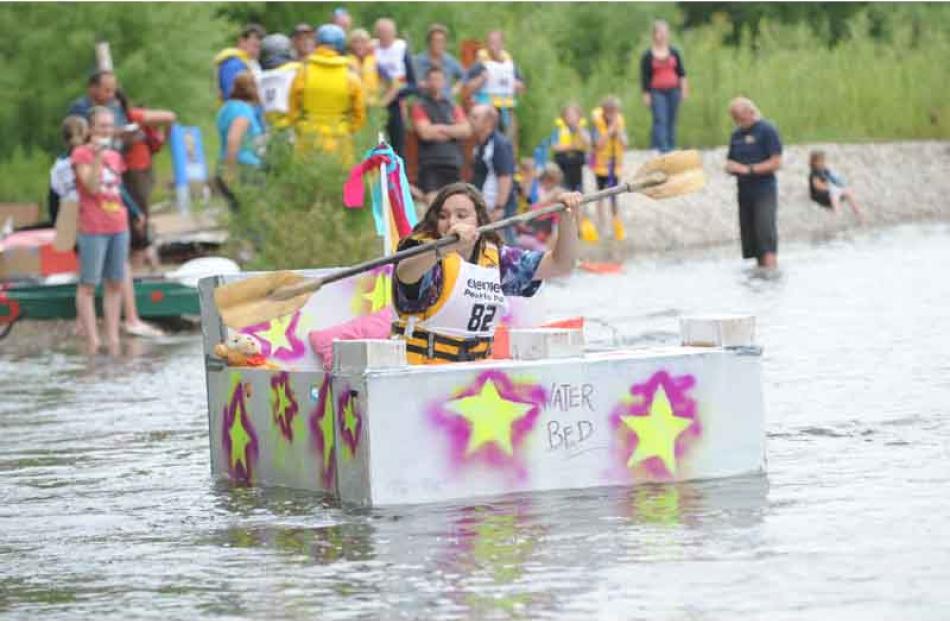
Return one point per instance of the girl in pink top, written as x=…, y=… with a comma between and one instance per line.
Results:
x=103, y=229
x=663, y=84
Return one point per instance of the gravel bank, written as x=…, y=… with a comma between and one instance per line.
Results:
x=895, y=182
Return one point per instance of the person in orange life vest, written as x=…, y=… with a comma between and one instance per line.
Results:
x=610, y=140
x=232, y=61
x=441, y=126
x=570, y=143
x=449, y=303
x=326, y=99
x=394, y=57
x=494, y=78
x=363, y=60
x=303, y=41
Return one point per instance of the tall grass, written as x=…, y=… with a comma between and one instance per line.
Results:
x=294, y=217
x=860, y=90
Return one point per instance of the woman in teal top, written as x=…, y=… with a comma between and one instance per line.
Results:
x=240, y=130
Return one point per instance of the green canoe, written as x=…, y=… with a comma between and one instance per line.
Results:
x=156, y=298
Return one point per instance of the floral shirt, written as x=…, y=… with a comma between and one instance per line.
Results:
x=517, y=265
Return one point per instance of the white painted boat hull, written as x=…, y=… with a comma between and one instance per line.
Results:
x=410, y=434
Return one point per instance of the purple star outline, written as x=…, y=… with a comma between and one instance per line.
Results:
x=350, y=438
x=237, y=407
x=284, y=423
x=681, y=403
x=459, y=430
x=297, y=347
x=316, y=434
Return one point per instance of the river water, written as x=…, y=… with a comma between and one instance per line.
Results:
x=107, y=508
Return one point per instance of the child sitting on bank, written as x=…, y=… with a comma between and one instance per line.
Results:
x=535, y=234
x=829, y=189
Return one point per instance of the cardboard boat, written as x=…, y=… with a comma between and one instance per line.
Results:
x=372, y=431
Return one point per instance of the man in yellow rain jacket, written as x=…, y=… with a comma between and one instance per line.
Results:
x=231, y=61
x=327, y=104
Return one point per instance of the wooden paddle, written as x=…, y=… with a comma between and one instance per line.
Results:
x=261, y=298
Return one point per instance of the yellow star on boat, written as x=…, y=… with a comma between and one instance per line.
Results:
x=239, y=440
x=657, y=432
x=349, y=418
x=491, y=417
x=276, y=333
x=380, y=295
x=326, y=429
x=282, y=402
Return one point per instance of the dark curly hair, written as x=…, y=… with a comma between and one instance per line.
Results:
x=429, y=225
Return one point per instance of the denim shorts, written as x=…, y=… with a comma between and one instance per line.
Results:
x=102, y=257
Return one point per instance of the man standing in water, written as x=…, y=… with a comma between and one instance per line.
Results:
x=755, y=153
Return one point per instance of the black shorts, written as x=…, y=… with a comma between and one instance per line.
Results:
x=822, y=198
x=757, y=223
x=434, y=178
x=571, y=164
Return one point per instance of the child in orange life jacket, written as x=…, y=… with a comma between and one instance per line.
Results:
x=448, y=303
x=571, y=143
x=610, y=140
x=536, y=234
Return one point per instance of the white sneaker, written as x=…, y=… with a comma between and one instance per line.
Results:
x=142, y=329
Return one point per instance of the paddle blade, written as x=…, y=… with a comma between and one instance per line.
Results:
x=672, y=163
x=678, y=185
x=247, y=302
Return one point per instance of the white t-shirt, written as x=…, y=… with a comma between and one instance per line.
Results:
x=62, y=180
x=393, y=60
x=275, y=89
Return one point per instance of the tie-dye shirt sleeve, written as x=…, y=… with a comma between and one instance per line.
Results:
x=518, y=267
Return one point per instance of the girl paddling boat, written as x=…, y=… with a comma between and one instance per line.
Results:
x=449, y=304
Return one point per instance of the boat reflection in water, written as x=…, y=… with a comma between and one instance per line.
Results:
x=524, y=554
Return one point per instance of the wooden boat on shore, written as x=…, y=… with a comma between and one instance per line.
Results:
x=371, y=430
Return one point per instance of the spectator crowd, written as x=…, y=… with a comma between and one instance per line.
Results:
x=314, y=86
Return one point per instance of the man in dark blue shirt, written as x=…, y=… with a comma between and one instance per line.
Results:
x=494, y=165
x=755, y=153
x=100, y=91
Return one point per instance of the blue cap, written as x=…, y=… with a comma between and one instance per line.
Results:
x=332, y=35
